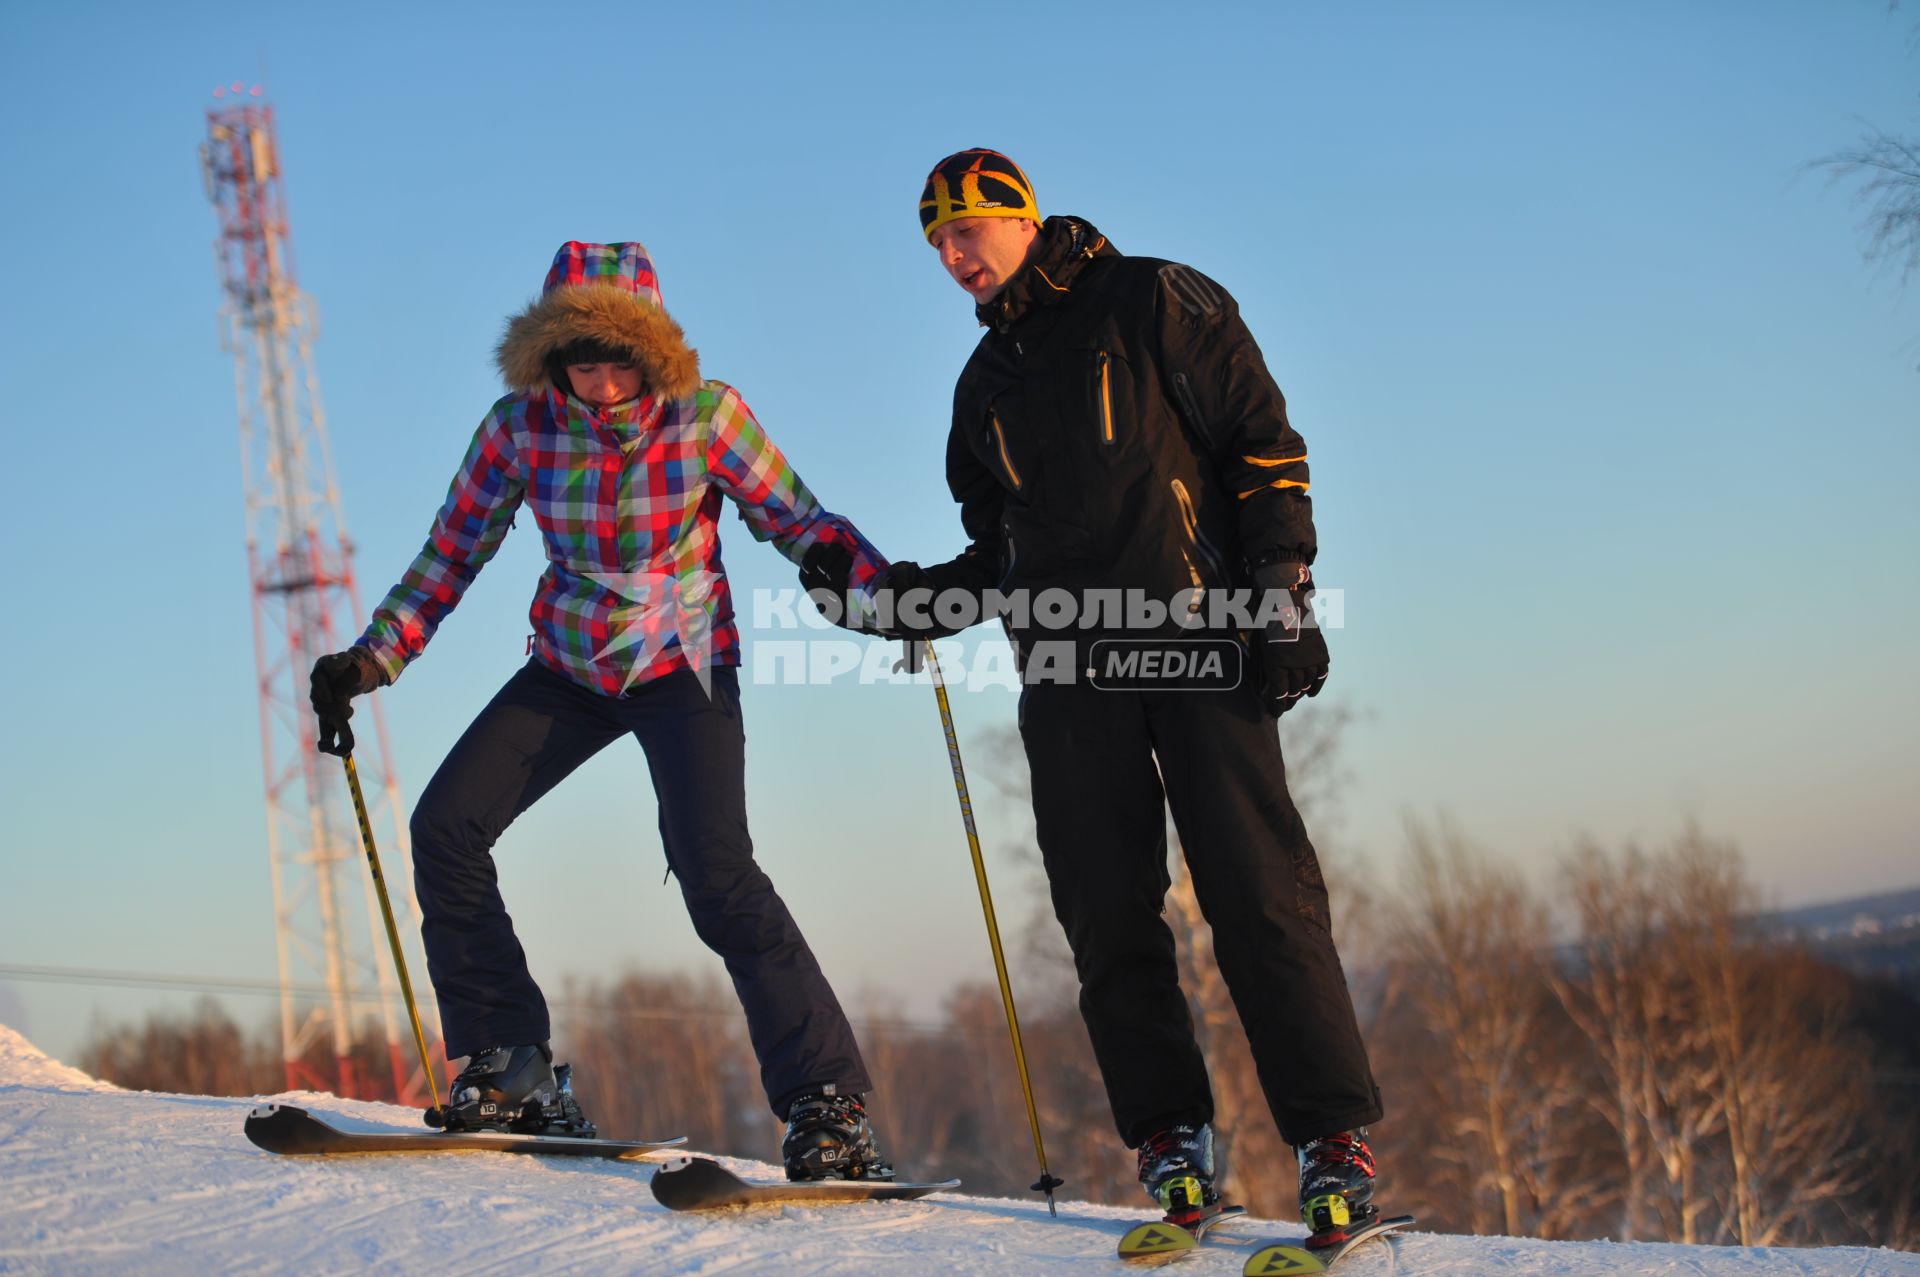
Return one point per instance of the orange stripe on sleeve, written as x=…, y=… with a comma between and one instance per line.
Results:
x=1277, y=483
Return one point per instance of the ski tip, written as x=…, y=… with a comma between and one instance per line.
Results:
x=696, y=1183
x=1156, y=1241
x=1282, y=1261
x=278, y=1128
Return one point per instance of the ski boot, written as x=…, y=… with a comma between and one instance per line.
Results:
x=1336, y=1187
x=828, y=1138
x=1176, y=1165
x=515, y=1089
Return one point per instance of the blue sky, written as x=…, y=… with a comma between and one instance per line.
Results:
x=1613, y=428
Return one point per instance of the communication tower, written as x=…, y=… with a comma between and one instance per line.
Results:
x=335, y=973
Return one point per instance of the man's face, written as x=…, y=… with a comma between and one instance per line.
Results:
x=604, y=385
x=983, y=253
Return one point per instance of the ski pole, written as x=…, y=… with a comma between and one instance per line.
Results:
x=1046, y=1183
x=393, y=936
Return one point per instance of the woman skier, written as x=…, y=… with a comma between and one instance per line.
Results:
x=623, y=454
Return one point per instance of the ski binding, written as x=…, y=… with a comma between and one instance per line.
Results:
x=1287, y=1259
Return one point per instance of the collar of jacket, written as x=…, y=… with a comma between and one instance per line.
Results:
x=620, y=425
x=1067, y=244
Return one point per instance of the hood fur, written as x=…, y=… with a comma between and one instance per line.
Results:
x=608, y=294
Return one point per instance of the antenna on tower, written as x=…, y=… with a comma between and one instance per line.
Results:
x=300, y=565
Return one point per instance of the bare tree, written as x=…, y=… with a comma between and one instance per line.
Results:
x=1649, y=1050
x=205, y=1053
x=668, y=1054
x=1884, y=169
x=1716, y=1043
x=1887, y=169
x=1502, y=1098
x=1793, y=1151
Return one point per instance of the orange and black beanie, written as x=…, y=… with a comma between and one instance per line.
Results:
x=975, y=183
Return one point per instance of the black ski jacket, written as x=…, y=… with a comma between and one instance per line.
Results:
x=1116, y=428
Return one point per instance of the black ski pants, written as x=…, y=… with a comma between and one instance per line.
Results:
x=533, y=734
x=1098, y=805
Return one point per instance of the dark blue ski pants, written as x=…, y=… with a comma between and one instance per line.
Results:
x=529, y=738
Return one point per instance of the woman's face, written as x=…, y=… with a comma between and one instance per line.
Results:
x=604, y=385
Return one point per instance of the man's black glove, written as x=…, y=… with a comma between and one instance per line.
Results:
x=1292, y=651
x=907, y=618
x=826, y=574
x=337, y=679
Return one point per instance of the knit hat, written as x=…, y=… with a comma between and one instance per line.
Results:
x=975, y=183
x=601, y=300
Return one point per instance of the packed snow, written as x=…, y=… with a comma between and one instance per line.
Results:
x=102, y=1180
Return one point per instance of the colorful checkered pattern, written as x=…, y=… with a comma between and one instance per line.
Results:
x=625, y=266
x=629, y=504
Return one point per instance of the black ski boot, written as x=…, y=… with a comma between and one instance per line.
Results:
x=1176, y=1165
x=1336, y=1186
x=517, y=1089
x=828, y=1138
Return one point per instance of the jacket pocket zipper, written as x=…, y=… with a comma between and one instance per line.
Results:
x=1191, y=519
x=1103, y=392
x=1183, y=391
x=1006, y=459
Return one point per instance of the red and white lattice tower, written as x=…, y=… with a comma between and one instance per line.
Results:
x=336, y=974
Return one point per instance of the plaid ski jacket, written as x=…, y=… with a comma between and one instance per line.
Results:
x=634, y=586
x=628, y=501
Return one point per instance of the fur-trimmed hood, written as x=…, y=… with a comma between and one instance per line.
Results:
x=606, y=293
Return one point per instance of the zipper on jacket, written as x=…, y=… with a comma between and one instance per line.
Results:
x=1006, y=459
x=1183, y=392
x=1103, y=394
x=1199, y=584
x=1013, y=556
x=1191, y=519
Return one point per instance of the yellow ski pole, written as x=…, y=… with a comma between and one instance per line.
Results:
x=1046, y=1183
x=393, y=937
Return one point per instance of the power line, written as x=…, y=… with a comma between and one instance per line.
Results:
x=104, y=978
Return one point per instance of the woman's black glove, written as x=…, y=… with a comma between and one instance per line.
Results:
x=1292, y=653
x=337, y=679
x=826, y=574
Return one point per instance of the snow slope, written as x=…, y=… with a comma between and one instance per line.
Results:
x=94, y=1179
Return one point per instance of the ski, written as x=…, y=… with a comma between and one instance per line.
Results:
x=1164, y=1239
x=1287, y=1259
x=705, y=1185
x=284, y=1128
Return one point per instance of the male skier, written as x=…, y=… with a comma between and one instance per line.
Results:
x=1117, y=429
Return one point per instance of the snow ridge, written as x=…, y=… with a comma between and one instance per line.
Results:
x=103, y=1180
x=24, y=1064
